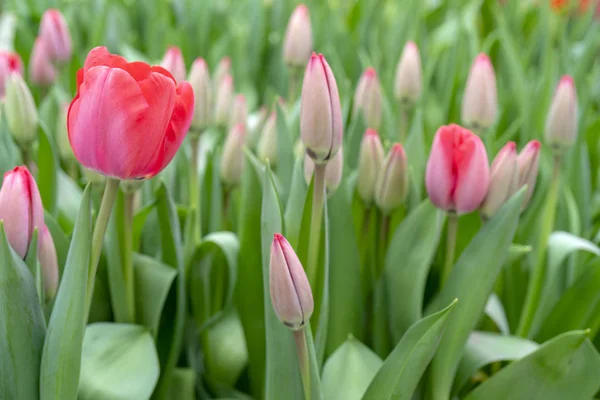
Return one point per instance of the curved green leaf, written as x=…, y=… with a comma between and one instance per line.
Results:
x=285, y=151
x=47, y=161
x=495, y=310
x=295, y=203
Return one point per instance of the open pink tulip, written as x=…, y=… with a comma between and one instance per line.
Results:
x=9, y=62
x=41, y=70
x=55, y=34
x=457, y=174
x=174, y=63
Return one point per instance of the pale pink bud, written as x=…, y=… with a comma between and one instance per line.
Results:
x=55, y=34
x=407, y=87
x=333, y=171
x=367, y=98
x=223, y=69
x=200, y=81
x=392, y=180
x=528, y=162
x=457, y=175
x=48, y=262
x=9, y=63
x=174, y=63
x=291, y=294
x=41, y=70
x=561, y=123
x=480, y=100
x=504, y=180
x=239, y=111
x=320, y=113
x=266, y=150
x=232, y=162
x=297, y=45
x=370, y=159
x=224, y=101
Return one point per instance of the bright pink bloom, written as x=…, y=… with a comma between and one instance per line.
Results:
x=41, y=70
x=174, y=63
x=127, y=119
x=55, y=34
x=457, y=175
x=9, y=62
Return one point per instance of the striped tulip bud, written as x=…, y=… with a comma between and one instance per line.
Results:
x=561, y=123
x=297, y=45
x=232, y=162
x=174, y=63
x=21, y=112
x=266, y=150
x=224, y=101
x=528, y=162
x=333, y=171
x=367, y=99
x=504, y=180
x=291, y=294
x=480, y=102
x=392, y=180
x=370, y=159
x=239, y=111
x=407, y=86
x=200, y=81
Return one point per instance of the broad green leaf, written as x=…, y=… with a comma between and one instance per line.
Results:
x=119, y=361
x=295, y=203
x=61, y=358
x=68, y=202
x=285, y=151
x=183, y=386
x=10, y=155
x=349, y=371
x=61, y=241
x=401, y=371
x=565, y=367
x=484, y=348
x=354, y=137
x=407, y=263
x=47, y=161
x=114, y=249
x=22, y=329
x=480, y=263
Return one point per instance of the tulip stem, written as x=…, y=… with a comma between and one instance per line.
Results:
x=402, y=123
x=315, y=223
x=303, y=362
x=128, y=255
x=195, y=189
x=451, y=234
x=106, y=206
x=383, y=240
x=536, y=282
x=295, y=74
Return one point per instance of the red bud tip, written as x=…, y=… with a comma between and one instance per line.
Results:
x=397, y=148
x=277, y=236
x=567, y=80
x=370, y=72
x=302, y=8
x=371, y=132
x=512, y=146
x=483, y=58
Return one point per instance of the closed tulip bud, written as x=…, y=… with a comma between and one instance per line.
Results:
x=457, y=175
x=174, y=63
x=297, y=45
x=224, y=101
x=21, y=113
x=232, y=162
x=561, y=123
x=239, y=111
x=479, y=104
x=9, y=63
x=370, y=159
x=266, y=150
x=367, y=98
x=528, y=162
x=48, y=262
x=200, y=81
x=41, y=70
x=256, y=124
x=290, y=291
x=223, y=70
x=127, y=120
x=320, y=113
x=333, y=171
x=62, y=135
x=55, y=34
x=504, y=180
x=407, y=86
x=391, y=187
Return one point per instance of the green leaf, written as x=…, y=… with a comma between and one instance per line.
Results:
x=356, y=131
x=295, y=203
x=68, y=202
x=61, y=358
x=47, y=179
x=480, y=263
x=22, y=329
x=484, y=348
x=61, y=241
x=184, y=384
x=565, y=367
x=407, y=263
x=285, y=151
x=402, y=370
x=349, y=371
x=119, y=361
x=114, y=249
x=495, y=310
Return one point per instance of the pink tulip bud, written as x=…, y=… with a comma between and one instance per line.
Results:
x=479, y=104
x=297, y=45
x=174, y=63
x=320, y=113
x=200, y=81
x=224, y=101
x=392, y=180
x=41, y=70
x=223, y=70
x=9, y=63
x=528, y=163
x=266, y=150
x=370, y=159
x=291, y=294
x=504, y=180
x=48, y=262
x=55, y=34
x=367, y=98
x=333, y=171
x=239, y=111
x=457, y=175
x=561, y=123
x=232, y=162
x=407, y=87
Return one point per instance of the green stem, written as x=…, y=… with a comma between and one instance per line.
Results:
x=295, y=74
x=73, y=170
x=402, y=123
x=195, y=189
x=315, y=223
x=536, y=282
x=450, y=246
x=108, y=200
x=302, y=352
x=383, y=238
x=128, y=274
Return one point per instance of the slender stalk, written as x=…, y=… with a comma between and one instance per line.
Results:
x=383, y=240
x=26, y=156
x=195, y=189
x=72, y=170
x=402, y=123
x=295, y=74
x=128, y=256
x=302, y=351
x=534, y=289
x=315, y=223
x=106, y=206
x=450, y=246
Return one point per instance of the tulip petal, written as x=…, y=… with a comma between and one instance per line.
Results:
x=439, y=176
x=14, y=210
x=283, y=293
x=472, y=178
x=49, y=262
x=99, y=56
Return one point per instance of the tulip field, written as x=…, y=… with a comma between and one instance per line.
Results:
x=275, y=200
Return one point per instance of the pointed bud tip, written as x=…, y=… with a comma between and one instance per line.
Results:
x=483, y=58
x=411, y=45
x=512, y=146
x=370, y=72
x=277, y=237
x=302, y=8
x=371, y=132
x=567, y=80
